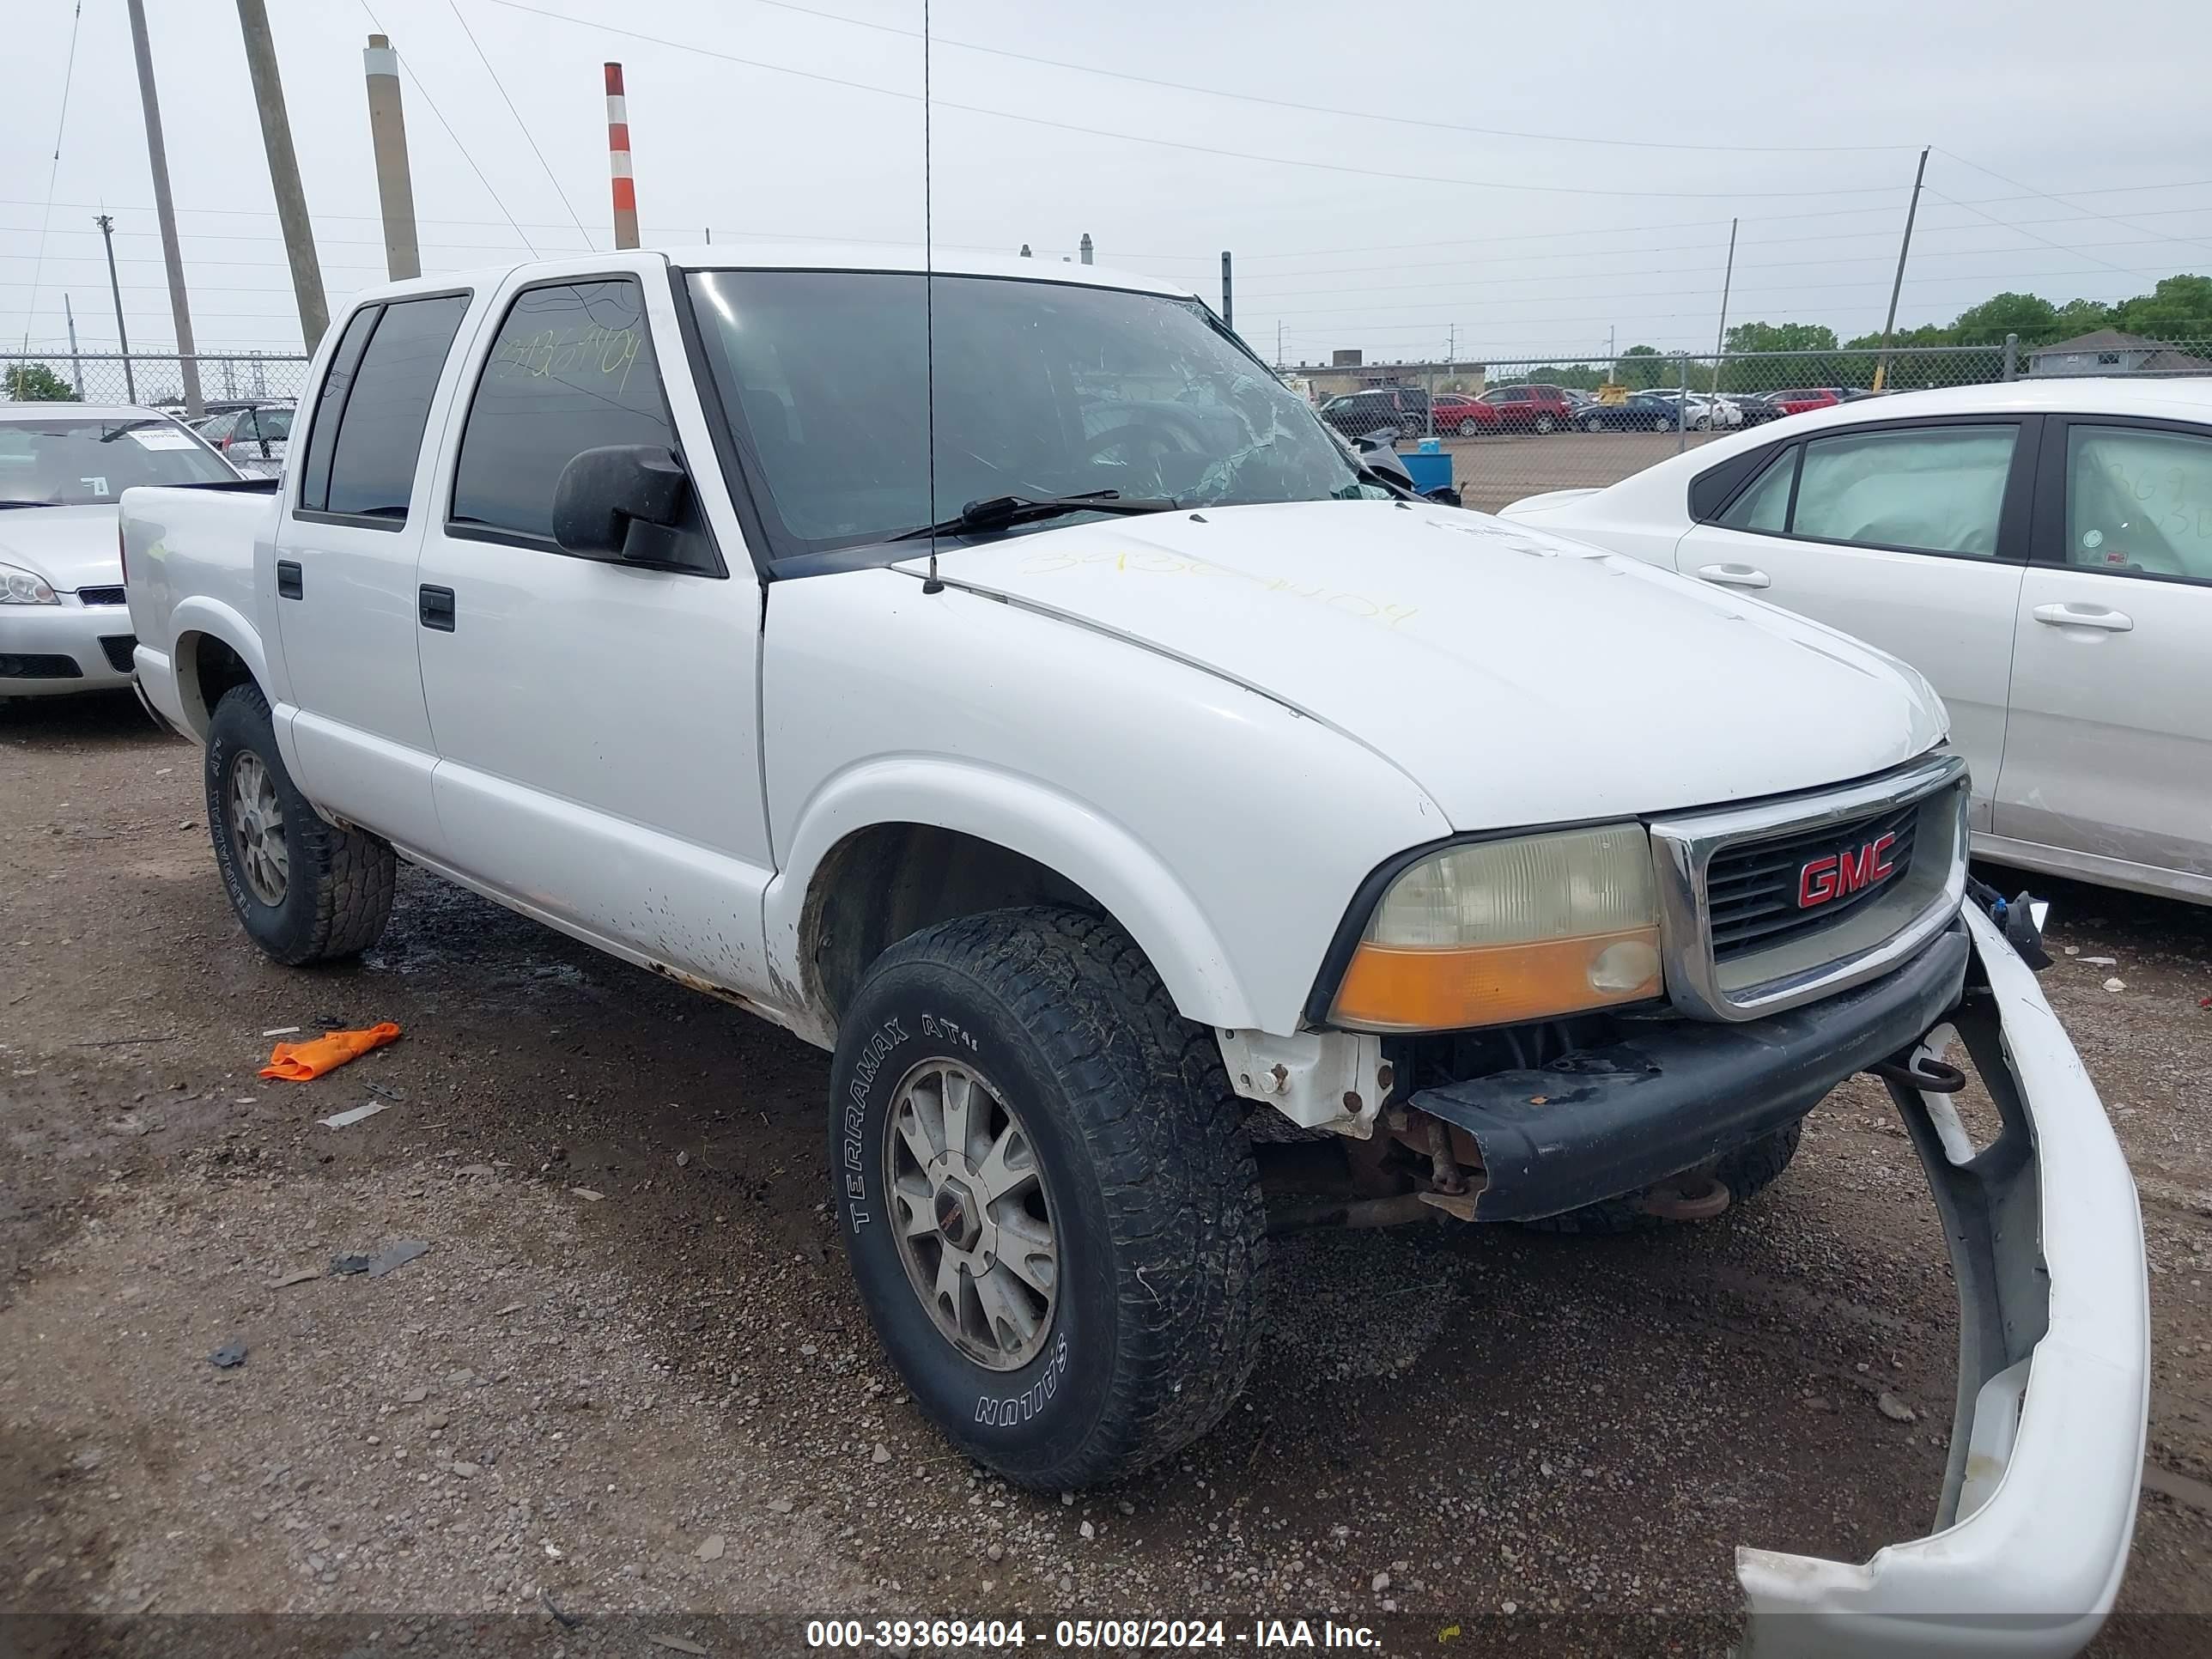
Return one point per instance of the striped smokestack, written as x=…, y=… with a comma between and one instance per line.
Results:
x=625, y=185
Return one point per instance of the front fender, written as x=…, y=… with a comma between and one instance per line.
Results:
x=1040, y=822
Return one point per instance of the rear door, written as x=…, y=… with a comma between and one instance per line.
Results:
x=1913, y=536
x=2108, y=756
x=597, y=721
x=344, y=571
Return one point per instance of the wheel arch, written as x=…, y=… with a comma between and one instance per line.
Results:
x=888, y=852
x=215, y=649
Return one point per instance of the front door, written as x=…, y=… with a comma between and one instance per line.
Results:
x=2109, y=754
x=596, y=721
x=1911, y=537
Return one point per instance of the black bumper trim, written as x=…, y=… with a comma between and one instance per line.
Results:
x=1600, y=1123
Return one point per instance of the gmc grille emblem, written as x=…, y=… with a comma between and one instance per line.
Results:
x=1823, y=880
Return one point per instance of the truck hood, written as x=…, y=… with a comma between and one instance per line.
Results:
x=71, y=547
x=1515, y=677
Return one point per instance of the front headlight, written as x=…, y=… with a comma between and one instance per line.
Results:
x=25, y=587
x=1500, y=930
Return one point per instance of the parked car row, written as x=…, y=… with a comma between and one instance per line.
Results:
x=252, y=436
x=1540, y=407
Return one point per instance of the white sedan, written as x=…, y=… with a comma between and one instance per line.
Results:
x=2041, y=551
x=64, y=627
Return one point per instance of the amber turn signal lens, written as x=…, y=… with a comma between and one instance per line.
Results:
x=1390, y=987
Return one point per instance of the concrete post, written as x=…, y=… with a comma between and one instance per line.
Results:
x=387, y=134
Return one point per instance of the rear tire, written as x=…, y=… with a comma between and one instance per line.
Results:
x=1746, y=1172
x=1131, y=1196
x=305, y=891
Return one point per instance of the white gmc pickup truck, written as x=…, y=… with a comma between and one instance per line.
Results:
x=1114, y=756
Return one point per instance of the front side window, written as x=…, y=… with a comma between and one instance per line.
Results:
x=380, y=428
x=1043, y=389
x=1936, y=490
x=75, y=462
x=571, y=369
x=2139, y=501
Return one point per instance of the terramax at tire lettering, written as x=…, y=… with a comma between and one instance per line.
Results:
x=1045, y=1195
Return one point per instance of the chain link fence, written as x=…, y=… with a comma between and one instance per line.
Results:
x=1538, y=424
x=151, y=379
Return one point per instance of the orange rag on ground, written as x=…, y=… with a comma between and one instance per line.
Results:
x=299, y=1062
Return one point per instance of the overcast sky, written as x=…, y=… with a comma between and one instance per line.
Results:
x=1348, y=230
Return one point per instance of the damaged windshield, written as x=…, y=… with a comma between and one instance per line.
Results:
x=1045, y=391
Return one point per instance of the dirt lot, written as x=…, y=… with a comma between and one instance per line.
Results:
x=628, y=1380
x=1492, y=472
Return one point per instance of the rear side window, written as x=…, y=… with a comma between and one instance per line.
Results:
x=1766, y=505
x=1940, y=490
x=571, y=369
x=337, y=381
x=381, y=429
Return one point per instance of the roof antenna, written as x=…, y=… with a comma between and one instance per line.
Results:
x=928, y=306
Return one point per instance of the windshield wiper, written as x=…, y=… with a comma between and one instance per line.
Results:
x=3, y=503
x=1002, y=512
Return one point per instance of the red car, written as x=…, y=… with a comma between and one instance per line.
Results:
x=1531, y=408
x=1464, y=417
x=1804, y=399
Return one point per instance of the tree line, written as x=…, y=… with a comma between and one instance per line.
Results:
x=2177, y=311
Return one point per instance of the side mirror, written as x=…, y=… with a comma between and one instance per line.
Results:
x=622, y=501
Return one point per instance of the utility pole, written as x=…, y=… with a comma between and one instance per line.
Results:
x=106, y=223
x=1084, y=247
x=1228, y=294
x=284, y=172
x=76, y=363
x=1279, y=343
x=1720, y=344
x=387, y=137
x=618, y=167
x=157, y=157
x=1881, y=364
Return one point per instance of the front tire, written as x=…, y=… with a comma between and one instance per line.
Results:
x=1546, y=425
x=305, y=891
x=1594, y=423
x=1047, y=1196
x=1469, y=428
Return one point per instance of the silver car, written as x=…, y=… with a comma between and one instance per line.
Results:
x=63, y=624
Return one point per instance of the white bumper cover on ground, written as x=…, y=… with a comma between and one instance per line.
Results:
x=2038, y=1506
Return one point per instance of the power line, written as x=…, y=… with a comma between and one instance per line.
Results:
x=2125, y=271
x=1314, y=109
x=519, y=123
x=1175, y=143
x=53, y=170
x=2178, y=241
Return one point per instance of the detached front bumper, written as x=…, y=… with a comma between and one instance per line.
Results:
x=53, y=650
x=2039, y=1503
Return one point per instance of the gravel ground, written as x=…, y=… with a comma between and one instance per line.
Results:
x=629, y=1381
x=1493, y=471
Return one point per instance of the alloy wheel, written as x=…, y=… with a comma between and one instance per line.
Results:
x=973, y=1222
x=257, y=829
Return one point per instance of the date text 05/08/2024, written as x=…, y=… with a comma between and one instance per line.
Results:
x=1009, y=1635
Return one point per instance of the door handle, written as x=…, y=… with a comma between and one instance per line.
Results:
x=435, y=607
x=1735, y=575
x=288, y=580
x=2084, y=616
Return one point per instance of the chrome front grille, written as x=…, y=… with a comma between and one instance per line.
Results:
x=1747, y=925
x=1755, y=893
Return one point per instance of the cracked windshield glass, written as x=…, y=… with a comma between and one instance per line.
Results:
x=1044, y=390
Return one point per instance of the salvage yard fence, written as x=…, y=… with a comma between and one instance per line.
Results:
x=1677, y=405
x=151, y=379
